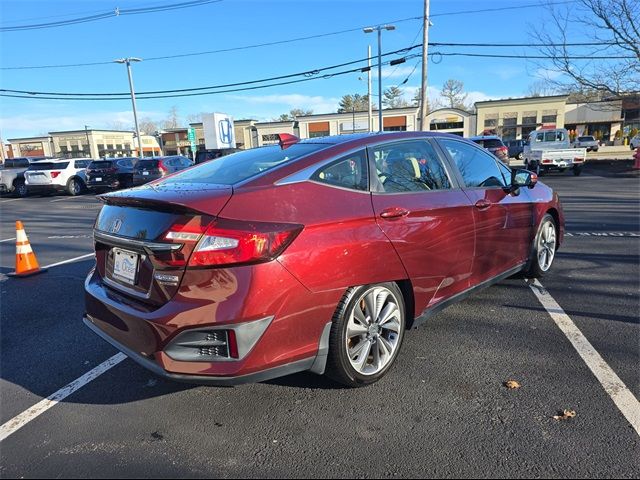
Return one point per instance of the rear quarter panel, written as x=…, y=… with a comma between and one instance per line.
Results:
x=545, y=201
x=341, y=244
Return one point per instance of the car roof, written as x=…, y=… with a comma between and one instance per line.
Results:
x=485, y=137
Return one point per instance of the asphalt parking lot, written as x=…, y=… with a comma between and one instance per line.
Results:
x=442, y=412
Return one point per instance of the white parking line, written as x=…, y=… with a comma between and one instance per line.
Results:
x=71, y=260
x=7, y=240
x=612, y=384
x=12, y=200
x=39, y=408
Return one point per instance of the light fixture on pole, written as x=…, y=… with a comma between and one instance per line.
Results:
x=379, y=29
x=128, y=61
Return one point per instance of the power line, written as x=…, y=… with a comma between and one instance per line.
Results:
x=197, y=94
x=209, y=52
x=109, y=14
x=280, y=42
x=307, y=73
x=529, y=57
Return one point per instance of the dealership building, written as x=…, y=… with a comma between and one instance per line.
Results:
x=609, y=121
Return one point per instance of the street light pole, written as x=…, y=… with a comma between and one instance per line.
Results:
x=128, y=61
x=379, y=29
x=86, y=131
x=369, y=99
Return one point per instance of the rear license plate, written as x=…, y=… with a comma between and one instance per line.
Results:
x=562, y=164
x=145, y=173
x=97, y=179
x=125, y=265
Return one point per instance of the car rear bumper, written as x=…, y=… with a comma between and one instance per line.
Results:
x=149, y=364
x=220, y=299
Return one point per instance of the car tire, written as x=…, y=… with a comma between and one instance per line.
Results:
x=20, y=189
x=543, y=249
x=75, y=186
x=352, y=327
x=577, y=170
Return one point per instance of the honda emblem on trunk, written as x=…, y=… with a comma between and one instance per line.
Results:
x=115, y=227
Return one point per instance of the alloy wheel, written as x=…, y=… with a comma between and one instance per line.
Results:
x=546, y=245
x=373, y=330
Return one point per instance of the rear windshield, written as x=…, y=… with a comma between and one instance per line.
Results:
x=102, y=164
x=492, y=143
x=586, y=139
x=147, y=164
x=241, y=166
x=48, y=166
x=16, y=163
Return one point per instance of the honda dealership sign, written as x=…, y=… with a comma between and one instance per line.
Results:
x=218, y=131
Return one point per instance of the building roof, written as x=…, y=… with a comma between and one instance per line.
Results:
x=524, y=99
x=92, y=130
x=27, y=139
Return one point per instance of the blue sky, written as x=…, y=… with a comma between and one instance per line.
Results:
x=234, y=23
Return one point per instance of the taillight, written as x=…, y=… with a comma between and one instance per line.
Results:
x=54, y=174
x=546, y=160
x=228, y=242
x=162, y=168
x=578, y=160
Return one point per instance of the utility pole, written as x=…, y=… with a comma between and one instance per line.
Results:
x=369, y=99
x=379, y=29
x=424, y=107
x=128, y=61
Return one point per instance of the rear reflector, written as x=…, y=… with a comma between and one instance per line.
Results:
x=578, y=160
x=228, y=242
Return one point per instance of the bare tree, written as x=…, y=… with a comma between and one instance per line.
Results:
x=453, y=94
x=300, y=112
x=148, y=126
x=173, y=119
x=433, y=103
x=614, y=25
x=195, y=117
x=541, y=88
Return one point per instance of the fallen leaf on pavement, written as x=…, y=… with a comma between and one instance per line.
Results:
x=511, y=384
x=565, y=415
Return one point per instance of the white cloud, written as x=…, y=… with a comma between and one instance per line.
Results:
x=317, y=103
x=36, y=123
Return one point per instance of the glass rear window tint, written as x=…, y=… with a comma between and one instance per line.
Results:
x=98, y=165
x=49, y=166
x=147, y=164
x=243, y=165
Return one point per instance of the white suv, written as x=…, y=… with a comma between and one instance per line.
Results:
x=57, y=175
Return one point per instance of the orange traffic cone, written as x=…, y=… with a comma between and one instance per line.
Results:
x=26, y=263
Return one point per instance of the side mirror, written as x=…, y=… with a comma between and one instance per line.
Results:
x=523, y=178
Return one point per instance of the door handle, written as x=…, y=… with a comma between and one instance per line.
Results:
x=394, y=212
x=483, y=204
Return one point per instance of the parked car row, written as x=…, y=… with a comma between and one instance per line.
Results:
x=22, y=176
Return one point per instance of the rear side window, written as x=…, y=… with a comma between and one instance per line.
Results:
x=409, y=167
x=49, y=166
x=99, y=165
x=477, y=167
x=241, y=166
x=348, y=172
x=586, y=139
x=82, y=163
x=16, y=163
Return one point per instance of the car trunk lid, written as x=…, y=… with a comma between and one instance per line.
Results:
x=145, y=236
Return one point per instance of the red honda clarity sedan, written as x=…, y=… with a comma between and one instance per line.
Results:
x=314, y=254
